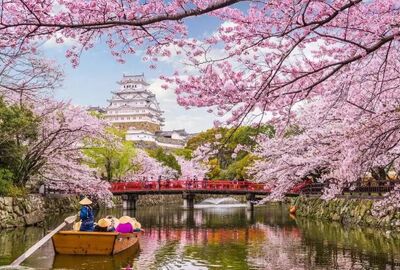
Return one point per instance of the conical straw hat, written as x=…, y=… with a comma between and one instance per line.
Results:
x=136, y=224
x=85, y=201
x=113, y=220
x=116, y=221
x=104, y=222
x=125, y=219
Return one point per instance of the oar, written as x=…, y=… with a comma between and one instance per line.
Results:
x=20, y=259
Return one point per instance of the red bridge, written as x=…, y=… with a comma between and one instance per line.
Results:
x=188, y=188
x=178, y=186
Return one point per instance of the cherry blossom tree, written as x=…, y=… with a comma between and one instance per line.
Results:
x=191, y=169
x=267, y=56
x=126, y=22
x=149, y=168
x=338, y=147
x=270, y=54
x=26, y=75
x=55, y=154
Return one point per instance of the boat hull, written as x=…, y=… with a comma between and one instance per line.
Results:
x=93, y=243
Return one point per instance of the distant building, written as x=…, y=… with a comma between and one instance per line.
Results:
x=172, y=139
x=96, y=109
x=135, y=109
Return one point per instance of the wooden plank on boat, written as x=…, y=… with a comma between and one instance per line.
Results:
x=93, y=243
x=125, y=241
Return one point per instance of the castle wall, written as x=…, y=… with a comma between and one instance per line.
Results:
x=150, y=127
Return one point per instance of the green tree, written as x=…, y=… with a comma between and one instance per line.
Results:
x=18, y=129
x=226, y=163
x=112, y=155
x=6, y=181
x=238, y=169
x=183, y=152
x=164, y=158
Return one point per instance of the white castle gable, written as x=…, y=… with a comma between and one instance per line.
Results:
x=135, y=109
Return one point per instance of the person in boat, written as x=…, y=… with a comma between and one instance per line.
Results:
x=137, y=227
x=114, y=221
x=125, y=225
x=103, y=225
x=86, y=215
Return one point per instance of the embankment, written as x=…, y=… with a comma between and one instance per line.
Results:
x=31, y=210
x=345, y=211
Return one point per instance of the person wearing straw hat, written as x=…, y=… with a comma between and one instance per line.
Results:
x=114, y=222
x=86, y=215
x=103, y=225
x=125, y=225
x=137, y=227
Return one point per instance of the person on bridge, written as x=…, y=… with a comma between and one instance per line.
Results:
x=205, y=182
x=86, y=215
x=159, y=182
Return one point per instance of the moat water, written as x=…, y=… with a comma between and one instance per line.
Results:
x=221, y=238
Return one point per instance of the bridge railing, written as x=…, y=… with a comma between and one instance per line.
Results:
x=188, y=185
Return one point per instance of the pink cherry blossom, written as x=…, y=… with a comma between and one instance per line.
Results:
x=191, y=169
x=149, y=168
x=338, y=59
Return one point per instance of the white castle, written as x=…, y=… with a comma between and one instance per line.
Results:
x=134, y=109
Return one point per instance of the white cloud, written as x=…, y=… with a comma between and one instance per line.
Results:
x=176, y=117
x=52, y=42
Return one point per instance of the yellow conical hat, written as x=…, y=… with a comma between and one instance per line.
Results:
x=136, y=224
x=116, y=221
x=125, y=219
x=113, y=220
x=85, y=201
x=104, y=222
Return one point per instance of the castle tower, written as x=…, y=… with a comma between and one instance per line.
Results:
x=134, y=108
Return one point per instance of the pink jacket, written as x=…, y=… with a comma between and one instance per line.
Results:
x=124, y=228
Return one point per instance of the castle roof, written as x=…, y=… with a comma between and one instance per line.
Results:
x=181, y=132
x=133, y=78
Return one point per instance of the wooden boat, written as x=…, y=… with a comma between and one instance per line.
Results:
x=93, y=243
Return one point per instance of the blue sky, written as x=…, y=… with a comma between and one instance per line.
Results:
x=92, y=81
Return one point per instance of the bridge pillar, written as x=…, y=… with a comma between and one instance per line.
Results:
x=129, y=201
x=188, y=200
x=250, y=197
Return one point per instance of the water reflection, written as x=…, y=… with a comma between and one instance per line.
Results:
x=224, y=239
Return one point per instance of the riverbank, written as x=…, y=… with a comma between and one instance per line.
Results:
x=345, y=211
x=32, y=209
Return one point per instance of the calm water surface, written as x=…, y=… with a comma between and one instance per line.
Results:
x=215, y=238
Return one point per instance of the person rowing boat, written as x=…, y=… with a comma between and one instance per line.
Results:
x=86, y=215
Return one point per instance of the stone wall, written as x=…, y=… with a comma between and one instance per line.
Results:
x=18, y=212
x=61, y=204
x=346, y=211
x=149, y=200
x=15, y=212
